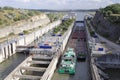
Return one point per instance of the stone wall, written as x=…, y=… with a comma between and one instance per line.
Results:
x=106, y=28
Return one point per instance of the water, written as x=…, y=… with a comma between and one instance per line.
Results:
x=10, y=64
x=80, y=15
x=114, y=74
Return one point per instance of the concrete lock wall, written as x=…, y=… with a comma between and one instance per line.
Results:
x=93, y=69
x=51, y=68
x=65, y=39
x=25, y=40
x=8, y=48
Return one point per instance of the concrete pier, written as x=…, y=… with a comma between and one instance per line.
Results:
x=93, y=68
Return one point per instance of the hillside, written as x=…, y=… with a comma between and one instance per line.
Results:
x=112, y=13
x=9, y=15
x=16, y=21
x=107, y=22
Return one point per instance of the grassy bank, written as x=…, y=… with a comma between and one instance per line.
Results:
x=9, y=15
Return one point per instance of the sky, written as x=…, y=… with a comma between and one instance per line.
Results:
x=58, y=4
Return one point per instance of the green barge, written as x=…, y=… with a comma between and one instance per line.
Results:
x=68, y=62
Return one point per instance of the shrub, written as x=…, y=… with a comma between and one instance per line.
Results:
x=11, y=34
x=30, y=14
x=110, y=10
x=106, y=35
x=25, y=32
x=92, y=33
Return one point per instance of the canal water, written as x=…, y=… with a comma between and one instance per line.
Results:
x=114, y=74
x=82, y=67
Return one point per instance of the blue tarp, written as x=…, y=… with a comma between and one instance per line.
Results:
x=53, y=34
x=45, y=47
x=100, y=49
x=56, y=35
x=59, y=35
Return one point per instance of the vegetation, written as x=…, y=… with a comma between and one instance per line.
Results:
x=112, y=13
x=9, y=15
x=25, y=32
x=63, y=27
x=106, y=35
x=39, y=26
x=55, y=16
x=11, y=34
x=92, y=33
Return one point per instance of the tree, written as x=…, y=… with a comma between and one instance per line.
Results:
x=109, y=13
x=110, y=10
x=8, y=8
x=30, y=14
